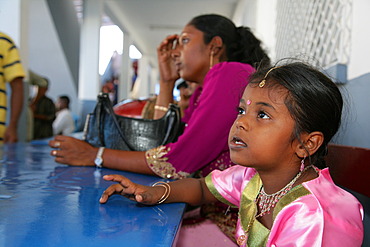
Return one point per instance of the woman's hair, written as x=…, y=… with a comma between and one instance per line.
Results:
x=240, y=43
x=313, y=100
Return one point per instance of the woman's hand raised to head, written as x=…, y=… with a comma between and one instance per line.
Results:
x=167, y=68
x=136, y=192
x=72, y=151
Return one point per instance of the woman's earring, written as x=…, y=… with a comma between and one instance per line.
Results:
x=302, y=164
x=211, y=60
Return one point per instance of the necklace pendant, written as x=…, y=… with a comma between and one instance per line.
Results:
x=241, y=240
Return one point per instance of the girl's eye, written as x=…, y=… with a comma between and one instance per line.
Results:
x=240, y=110
x=263, y=115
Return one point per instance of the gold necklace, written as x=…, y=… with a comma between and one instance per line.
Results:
x=268, y=202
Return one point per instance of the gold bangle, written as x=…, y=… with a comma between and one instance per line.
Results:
x=161, y=108
x=166, y=193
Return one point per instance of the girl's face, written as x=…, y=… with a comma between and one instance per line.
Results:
x=192, y=55
x=261, y=136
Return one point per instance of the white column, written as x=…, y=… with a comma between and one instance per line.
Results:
x=126, y=70
x=89, y=82
x=144, y=75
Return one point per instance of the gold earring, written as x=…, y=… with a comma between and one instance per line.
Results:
x=211, y=60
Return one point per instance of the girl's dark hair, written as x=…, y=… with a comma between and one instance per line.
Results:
x=240, y=43
x=314, y=101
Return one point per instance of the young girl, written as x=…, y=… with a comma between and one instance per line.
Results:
x=287, y=116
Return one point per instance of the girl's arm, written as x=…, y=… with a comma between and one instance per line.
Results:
x=190, y=190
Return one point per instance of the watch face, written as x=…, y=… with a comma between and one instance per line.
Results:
x=98, y=161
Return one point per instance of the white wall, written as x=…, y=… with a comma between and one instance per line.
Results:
x=46, y=56
x=10, y=18
x=360, y=40
x=356, y=125
x=260, y=16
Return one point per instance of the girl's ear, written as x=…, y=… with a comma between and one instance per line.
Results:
x=311, y=143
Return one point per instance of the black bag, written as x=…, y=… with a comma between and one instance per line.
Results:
x=104, y=128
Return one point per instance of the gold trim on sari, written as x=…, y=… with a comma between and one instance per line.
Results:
x=159, y=164
x=215, y=192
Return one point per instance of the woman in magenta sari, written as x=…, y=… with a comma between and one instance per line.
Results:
x=218, y=56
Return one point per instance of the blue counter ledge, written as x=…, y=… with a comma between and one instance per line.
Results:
x=43, y=203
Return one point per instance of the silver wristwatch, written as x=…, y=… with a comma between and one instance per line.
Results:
x=99, y=158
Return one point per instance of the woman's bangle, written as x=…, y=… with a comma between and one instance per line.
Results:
x=166, y=193
x=161, y=108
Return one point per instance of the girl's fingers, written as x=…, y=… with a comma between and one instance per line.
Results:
x=111, y=190
x=124, y=187
x=118, y=178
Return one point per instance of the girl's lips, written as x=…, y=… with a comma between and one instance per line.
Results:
x=236, y=142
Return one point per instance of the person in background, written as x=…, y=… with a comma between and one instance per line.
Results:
x=135, y=68
x=11, y=71
x=285, y=195
x=63, y=123
x=43, y=113
x=110, y=88
x=186, y=90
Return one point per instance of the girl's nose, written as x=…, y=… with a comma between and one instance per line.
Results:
x=241, y=123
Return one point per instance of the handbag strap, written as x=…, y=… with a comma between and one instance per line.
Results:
x=175, y=119
x=99, y=116
x=106, y=105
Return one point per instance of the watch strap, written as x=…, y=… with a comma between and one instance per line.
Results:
x=99, y=158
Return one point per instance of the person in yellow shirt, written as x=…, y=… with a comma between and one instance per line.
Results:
x=11, y=71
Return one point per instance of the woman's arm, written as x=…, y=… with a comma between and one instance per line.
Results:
x=168, y=74
x=76, y=152
x=191, y=191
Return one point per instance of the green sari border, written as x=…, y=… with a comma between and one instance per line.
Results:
x=295, y=193
x=214, y=191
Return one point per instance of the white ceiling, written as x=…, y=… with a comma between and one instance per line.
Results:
x=149, y=21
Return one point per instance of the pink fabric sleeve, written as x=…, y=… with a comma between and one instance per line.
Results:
x=205, y=137
x=229, y=184
x=329, y=216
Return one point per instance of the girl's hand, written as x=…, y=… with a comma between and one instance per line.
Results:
x=167, y=68
x=136, y=192
x=72, y=151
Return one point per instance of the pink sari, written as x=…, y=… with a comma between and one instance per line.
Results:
x=315, y=213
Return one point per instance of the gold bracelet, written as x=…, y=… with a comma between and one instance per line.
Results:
x=161, y=108
x=166, y=193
